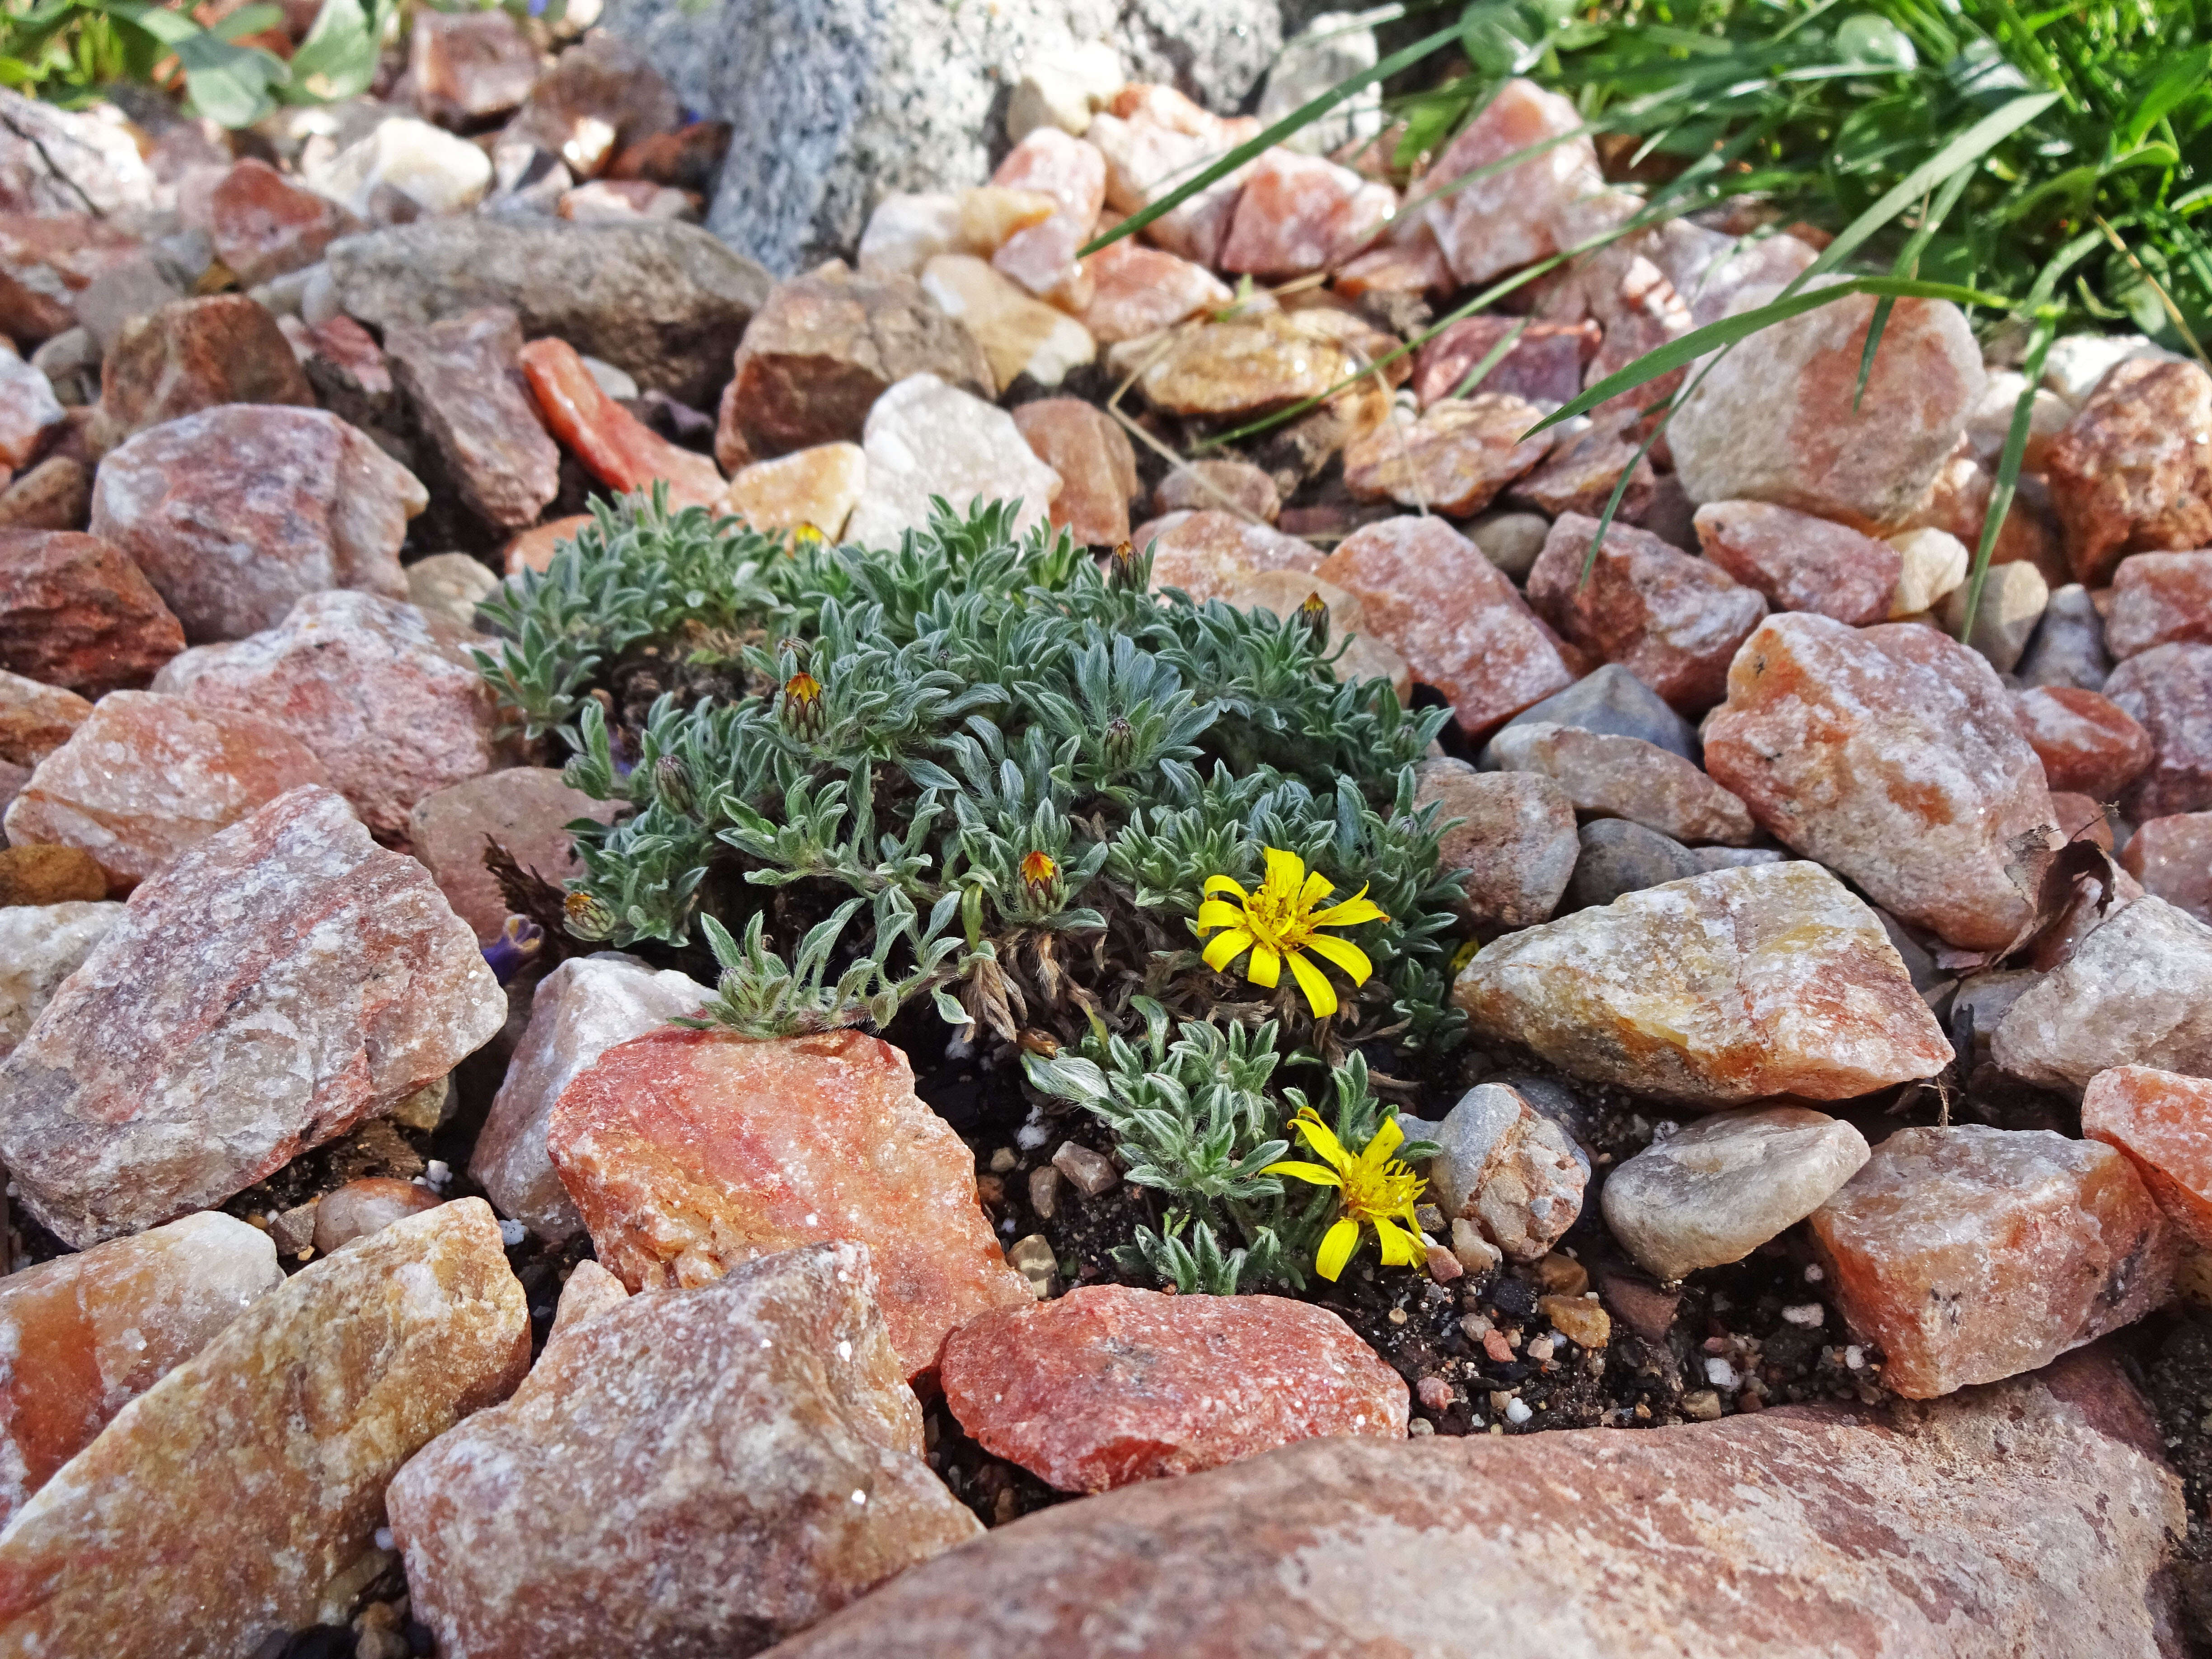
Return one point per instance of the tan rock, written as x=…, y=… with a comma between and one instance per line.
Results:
x=41, y=945
x=926, y=438
x=1019, y=333
x=818, y=486
x=2134, y=992
x=1931, y=565
x=1515, y=846
x=1453, y=459
x=1607, y=776
x=1248, y=366
x=36, y=718
x=1210, y=554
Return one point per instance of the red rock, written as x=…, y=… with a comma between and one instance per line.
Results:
x=1042, y=257
x=468, y=66
x=1889, y=754
x=1512, y=216
x=822, y=348
x=522, y=1527
x=2132, y=472
x=533, y=550
x=1672, y=620
x=1429, y=593
x=2028, y=1521
x=287, y=1426
x=599, y=98
x=2080, y=816
x=1298, y=214
x=75, y=612
x=1096, y=466
x=366, y=1206
x=614, y=448
x=1408, y=260
x=263, y=225
x=2171, y=857
x=1514, y=843
x=1581, y=475
x=36, y=718
x=2163, y=1122
x=1110, y=1385
x=55, y=495
x=234, y=514
x=148, y=777
x=690, y=158
x=84, y=1335
x=193, y=354
x=2167, y=690
x=1801, y=562
x=1153, y=145
x=46, y=259
x=394, y=708
x=1454, y=459
x=470, y=403
x=1206, y=486
x=29, y=412
x=2087, y=744
x=1136, y=290
x=2159, y=599
x=1209, y=554
x=1726, y=988
x=690, y=1152
x=1610, y=776
x=1971, y=1254
x=523, y=809
x=276, y=985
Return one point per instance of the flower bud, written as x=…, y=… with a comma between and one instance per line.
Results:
x=588, y=918
x=1040, y=875
x=1313, y=615
x=1121, y=566
x=671, y=781
x=803, y=713
x=1121, y=744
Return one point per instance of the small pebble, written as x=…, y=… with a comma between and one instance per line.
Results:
x=1855, y=1357
x=1419, y=1428
x=436, y=1173
x=1805, y=1313
x=1540, y=1348
x=1517, y=1413
x=1720, y=1374
x=1443, y=1266
x=1092, y=1173
x=512, y=1233
x=1812, y=1273
x=1003, y=1160
x=1397, y=1316
x=1434, y=1392
x=1702, y=1407
x=1044, y=1191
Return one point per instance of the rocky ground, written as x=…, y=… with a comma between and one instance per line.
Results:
x=1840, y=1069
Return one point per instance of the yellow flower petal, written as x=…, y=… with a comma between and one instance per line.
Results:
x=1314, y=984
x=1317, y=888
x=1350, y=913
x=1399, y=1248
x=1285, y=871
x=1336, y=1248
x=1223, y=948
x=1218, y=912
x=1388, y=1140
x=1345, y=954
x=1223, y=885
x=1321, y=1139
x=1266, y=967
x=1304, y=1171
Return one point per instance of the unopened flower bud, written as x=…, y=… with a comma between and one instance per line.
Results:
x=671, y=781
x=1121, y=744
x=1122, y=566
x=1040, y=875
x=803, y=713
x=1314, y=615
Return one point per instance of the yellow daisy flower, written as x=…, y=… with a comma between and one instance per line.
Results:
x=1375, y=1189
x=1279, y=924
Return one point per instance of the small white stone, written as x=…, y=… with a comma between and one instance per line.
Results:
x=1334, y=47
x=440, y=173
x=512, y=1232
x=1063, y=88
x=1805, y=1313
x=924, y=438
x=1855, y=1357
x=1516, y=1412
x=1720, y=1374
x=1936, y=562
x=906, y=231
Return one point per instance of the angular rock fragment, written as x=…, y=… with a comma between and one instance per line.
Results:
x=2132, y=472
x=2137, y=991
x=1510, y=1170
x=1208, y=554
x=28, y=410
x=1932, y=564
x=1583, y=473
x=1619, y=777
x=2159, y=599
x=1765, y=980
x=819, y=486
x=2171, y=857
x=1298, y=214
x=1135, y=290
x=2163, y=1122
x=525, y=811
x=1514, y=845
x=2087, y=744
x=447, y=587
x=55, y=495
x=263, y=225
x=1801, y=562
x=41, y=945
x=578, y=1011
x=287, y=1426
x=2167, y=690
x=468, y=66
x=1454, y=459
x=925, y=438
x=1246, y=366
x=1096, y=465
x=36, y=718
x=708, y=1472
x=1713, y=1192
x=190, y=355
x=146, y=776
x=1543, y=365
x=460, y=379
x=688, y=1153
x=1971, y=1254
x=1672, y=620
x=75, y=612
x=366, y=1206
x=1889, y=754
x=234, y=513
x=1611, y=699
x=599, y=97
x=276, y=985
x=1510, y=216
x=1155, y=140
x=1204, y=485
x=403, y=170
x=1042, y=258
x=395, y=709
x=1109, y=1384
x=614, y=445
x=1019, y=333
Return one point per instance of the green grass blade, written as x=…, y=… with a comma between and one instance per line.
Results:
x=1490, y=359
x=1908, y=264
x=2009, y=463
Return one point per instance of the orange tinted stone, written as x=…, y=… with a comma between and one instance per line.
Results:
x=1042, y=258
x=82, y=1336
x=690, y=1152
x=1801, y=562
x=818, y=486
x=1110, y=1384
x=533, y=550
x=1581, y=475
x=1299, y=213
x=2171, y=857
x=1454, y=459
x=2087, y=744
x=36, y=718
x=2159, y=599
x=614, y=448
x=1246, y=365
x=2132, y=472
x=1430, y=593
x=1206, y=554
x=1135, y=289
x=1097, y=468
x=1544, y=364
x=75, y=611
x=1510, y=216
x=365, y=1206
x=2163, y=1122
x=1971, y=1254
x=1153, y=146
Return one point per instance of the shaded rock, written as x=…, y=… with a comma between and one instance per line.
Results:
x=2069, y=648
x=666, y=302
x=1454, y=459
x=1713, y=1192
x=823, y=348
x=1097, y=468
x=468, y=66
x=1429, y=594
x=1110, y=1384
x=2134, y=992
x=1210, y=554
x=1512, y=216
x=1136, y=290
x=2132, y=472
x=1932, y=564
x=1543, y=365
x=447, y=587
x=682, y=1150
x=2159, y=599
x=1672, y=621
x=235, y=514
x=708, y=1472
x=925, y=438
x=1801, y=562
x=1064, y=87
x=1516, y=847
x=190, y=356
x=47, y=260
x=584, y=1007
x=291, y=1420
x=615, y=446
x=2171, y=857
x=276, y=985
x=1890, y=755
x=1610, y=776
x=1210, y=485
x=1333, y=46
x=523, y=809
x=1298, y=214
x=55, y=495
x=29, y=412
x=394, y=708
x=1729, y=987
x=2012, y=601
x=47, y=874
x=2167, y=690
x=75, y=612
x=1509, y=1169
x=262, y=225
x=460, y=379
x=1616, y=857
x=36, y=718
x=1583, y=473
x=1775, y=420
x=2163, y=1122
x=2087, y=744
x=1972, y=1253
x=41, y=945
x=599, y=97
x=366, y=1206
x=146, y=776
x=1611, y=699
x=819, y=486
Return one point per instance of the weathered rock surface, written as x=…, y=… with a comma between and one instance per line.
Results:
x=234, y=513
x=524, y=809
x=367, y=1205
x=1135, y=289
x=393, y=708
x=1769, y=979
x=287, y=1426
x=2171, y=857
x=1890, y=755
x=263, y=225
x=41, y=945
x=1510, y=1170
x=190, y=356
x=1544, y=364
x=668, y=302
x=148, y=777
x=690, y=1152
x=1611, y=699
x=1109, y=1385
x=2163, y=1122
x=29, y=412
x=2160, y=599
x=2137, y=991
x=1454, y=459
x=460, y=377
x=1209, y=554
x=600, y=97
x=2132, y=472
x=1972, y=1254
x=615, y=446
x=1581, y=475
x=925, y=438
x=1517, y=846
x=1801, y=562
x=1512, y=216
x=447, y=587
x=467, y=65
x=1155, y=140
x=2087, y=744
x=2024, y=1522
x=1607, y=776
x=819, y=486
x=278, y=983
x=705, y=1472
x=1097, y=464
x=578, y=1011
x=36, y=718
x=1298, y=214
x=86, y=1334
x=75, y=612
x=1713, y=1192
x=1246, y=366
x=2167, y=690
x=1020, y=334
x=56, y=160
